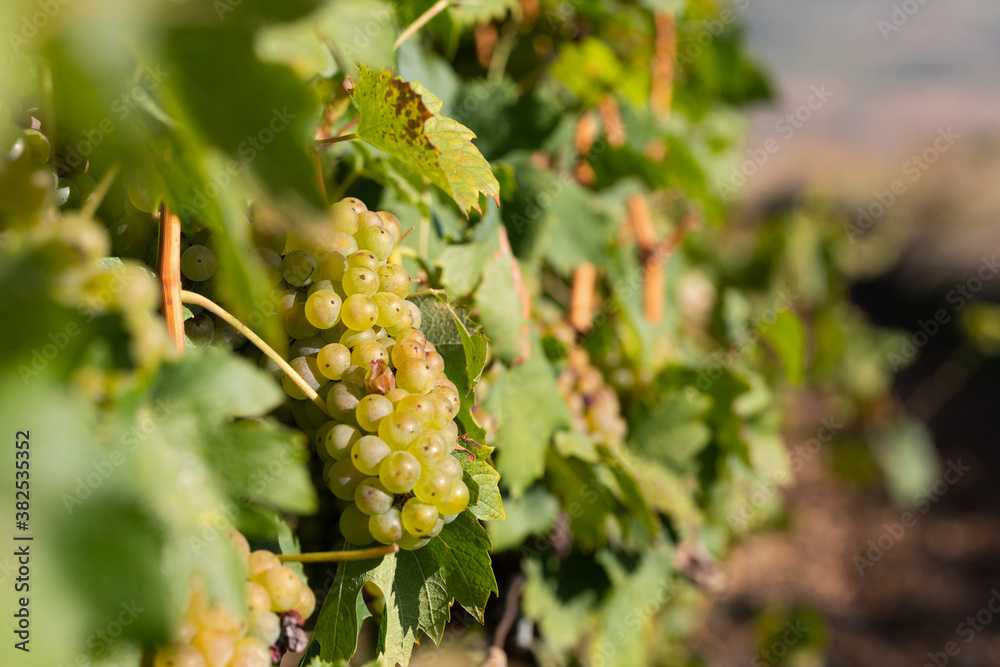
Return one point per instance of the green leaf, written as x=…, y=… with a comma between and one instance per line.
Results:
x=498, y=303
x=526, y=404
x=483, y=481
x=402, y=119
x=787, y=337
x=672, y=431
x=419, y=588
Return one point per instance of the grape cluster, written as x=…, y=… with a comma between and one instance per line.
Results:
x=214, y=636
x=593, y=404
x=356, y=341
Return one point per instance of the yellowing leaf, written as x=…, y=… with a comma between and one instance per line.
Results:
x=403, y=120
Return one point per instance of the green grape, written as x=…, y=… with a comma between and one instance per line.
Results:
x=371, y=410
x=396, y=395
x=319, y=438
x=368, y=351
x=433, y=486
x=268, y=364
x=448, y=518
x=344, y=218
x=85, y=184
x=355, y=203
x=317, y=285
x=245, y=656
x=308, y=369
x=323, y=309
x=419, y=517
x=340, y=439
x=343, y=400
x=399, y=429
x=266, y=627
x=405, y=322
x=198, y=263
x=414, y=313
x=216, y=646
x=285, y=300
x=394, y=279
x=331, y=266
x=299, y=413
x=267, y=232
x=410, y=542
x=404, y=350
x=355, y=375
x=351, y=338
x=132, y=236
x=413, y=334
x=333, y=359
x=390, y=309
x=179, y=656
x=297, y=324
x=450, y=432
x=436, y=362
x=200, y=329
x=360, y=280
x=375, y=239
x=451, y=467
x=399, y=472
x=315, y=416
x=333, y=334
x=364, y=259
x=284, y=587
x=359, y=312
x=415, y=376
x=391, y=225
x=429, y=447
x=369, y=219
x=372, y=498
x=387, y=527
x=368, y=453
x=438, y=526
x=306, y=347
x=446, y=406
x=271, y=261
x=341, y=244
x=354, y=525
x=298, y=268
x=38, y=147
x=419, y=406
x=66, y=194
x=457, y=500
x=342, y=477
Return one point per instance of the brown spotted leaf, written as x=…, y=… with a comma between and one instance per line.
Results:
x=402, y=119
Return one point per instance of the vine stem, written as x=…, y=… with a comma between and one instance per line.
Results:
x=170, y=275
x=206, y=303
x=333, y=556
x=421, y=21
x=337, y=139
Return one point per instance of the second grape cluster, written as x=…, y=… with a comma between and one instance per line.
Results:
x=356, y=341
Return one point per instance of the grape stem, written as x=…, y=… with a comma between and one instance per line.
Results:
x=333, y=556
x=195, y=299
x=428, y=292
x=337, y=139
x=421, y=21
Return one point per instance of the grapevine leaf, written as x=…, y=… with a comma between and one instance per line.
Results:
x=403, y=120
x=483, y=482
x=498, y=301
x=672, y=431
x=339, y=621
x=787, y=337
x=526, y=404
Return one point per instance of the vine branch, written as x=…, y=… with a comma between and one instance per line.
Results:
x=337, y=139
x=421, y=21
x=170, y=275
x=334, y=556
x=206, y=303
